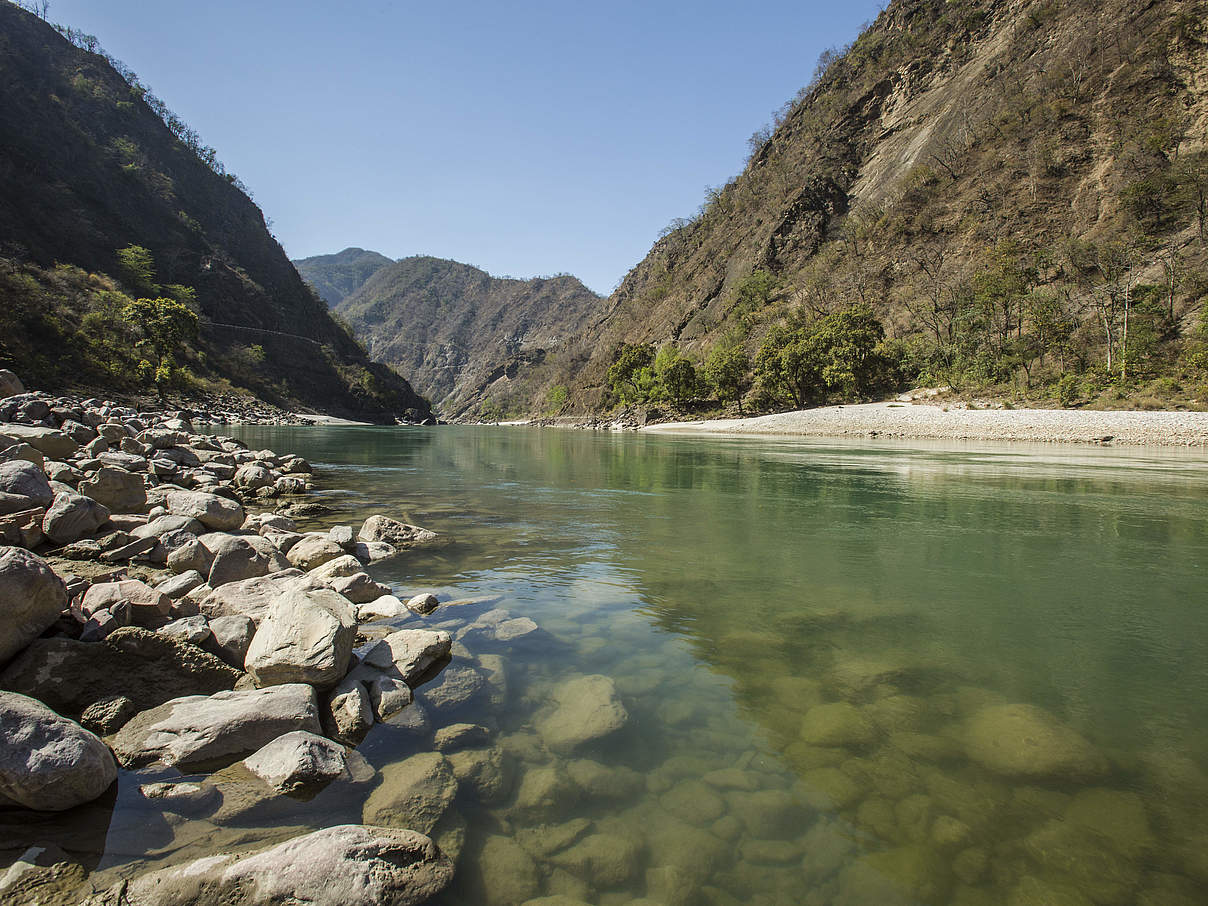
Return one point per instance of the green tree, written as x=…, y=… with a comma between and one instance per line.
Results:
x=555, y=399
x=675, y=376
x=137, y=268
x=630, y=375
x=728, y=371
x=162, y=326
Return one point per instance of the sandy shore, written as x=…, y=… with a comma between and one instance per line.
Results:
x=907, y=420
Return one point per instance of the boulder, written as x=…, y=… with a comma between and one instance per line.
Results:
x=373, y=551
x=359, y=588
x=297, y=762
x=348, y=712
x=52, y=443
x=387, y=607
x=253, y=476
x=312, y=551
x=199, y=731
x=482, y=773
x=837, y=724
x=423, y=604
x=238, y=557
x=190, y=556
x=147, y=667
x=370, y=866
x=115, y=488
x=306, y=636
x=148, y=607
x=230, y=638
x=73, y=516
x=460, y=736
x=1026, y=741
x=108, y=715
x=31, y=599
x=180, y=585
x=162, y=525
x=47, y=762
x=10, y=384
x=339, y=568
x=219, y=514
x=22, y=451
x=586, y=709
x=194, y=630
x=415, y=793
x=251, y=597
x=399, y=534
x=24, y=486
x=411, y=652
x=341, y=535
x=457, y=685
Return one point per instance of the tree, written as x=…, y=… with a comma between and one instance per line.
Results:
x=137, y=268
x=163, y=326
x=728, y=372
x=630, y=374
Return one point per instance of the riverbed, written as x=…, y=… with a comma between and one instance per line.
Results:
x=851, y=673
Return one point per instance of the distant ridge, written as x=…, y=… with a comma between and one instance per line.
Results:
x=335, y=277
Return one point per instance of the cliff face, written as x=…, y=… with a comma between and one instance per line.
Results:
x=336, y=277
x=992, y=178
x=463, y=335
x=88, y=168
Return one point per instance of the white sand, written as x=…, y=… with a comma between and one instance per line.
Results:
x=916, y=420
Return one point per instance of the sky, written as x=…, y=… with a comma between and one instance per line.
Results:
x=527, y=138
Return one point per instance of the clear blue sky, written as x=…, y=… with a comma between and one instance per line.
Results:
x=524, y=137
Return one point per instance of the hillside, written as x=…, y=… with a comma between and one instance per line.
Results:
x=335, y=277
x=1012, y=193
x=102, y=203
x=463, y=335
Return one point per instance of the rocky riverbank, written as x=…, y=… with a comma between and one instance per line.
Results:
x=161, y=613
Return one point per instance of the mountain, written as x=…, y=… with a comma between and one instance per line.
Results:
x=106, y=196
x=463, y=335
x=1014, y=191
x=335, y=277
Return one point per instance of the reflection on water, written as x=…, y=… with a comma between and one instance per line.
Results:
x=902, y=673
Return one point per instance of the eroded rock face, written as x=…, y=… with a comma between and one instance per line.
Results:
x=31, y=599
x=1027, y=741
x=348, y=865
x=587, y=708
x=306, y=636
x=201, y=731
x=48, y=762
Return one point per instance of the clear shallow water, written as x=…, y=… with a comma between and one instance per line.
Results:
x=820, y=649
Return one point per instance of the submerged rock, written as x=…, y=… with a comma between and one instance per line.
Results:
x=837, y=724
x=587, y=709
x=348, y=865
x=48, y=762
x=1027, y=741
x=415, y=793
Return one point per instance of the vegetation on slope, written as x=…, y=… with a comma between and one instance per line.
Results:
x=1014, y=191
x=336, y=277
x=89, y=169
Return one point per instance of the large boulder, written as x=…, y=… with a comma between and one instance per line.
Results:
x=348, y=865
x=48, y=762
x=10, y=384
x=410, y=652
x=238, y=557
x=297, y=762
x=251, y=597
x=72, y=517
x=312, y=551
x=306, y=636
x=117, y=489
x=23, y=486
x=586, y=709
x=399, y=534
x=148, y=606
x=201, y=731
x=230, y=638
x=1026, y=741
x=31, y=599
x=219, y=514
x=415, y=793
x=163, y=525
x=52, y=443
x=149, y=668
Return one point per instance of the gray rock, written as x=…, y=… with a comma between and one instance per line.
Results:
x=230, y=637
x=162, y=525
x=10, y=384
x=31, y=599
x=460, y=736
x=342, y=535
x=108, y=715
x=238, y=557
x=415, y=793
x=199, y=731
x=251, y=597
x=297, y=761
x=313, y=551
x=216, y=513
x=54, y=444
x=73, y=516
x=359, y=588
x=48, y=762
x=306, y=636
x=25, y=485
x=412, y=652
x=373, y=551
x=374, y=866
x=339, y=568
x=147, y=667
x=180, y=585
x=148, y=607
x=194, y=630
x=348, y=713
x=118, y=490
x=387, y=607
x=457, y=685
x=190, y=556
x=22, y=451
x=252, y=476
x=587, y=709
x=399, y=534
x=423, y=604
x=388, y=692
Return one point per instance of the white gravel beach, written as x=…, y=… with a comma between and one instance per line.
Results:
x=922, y=420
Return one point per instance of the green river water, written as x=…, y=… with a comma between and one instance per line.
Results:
x=873, y=674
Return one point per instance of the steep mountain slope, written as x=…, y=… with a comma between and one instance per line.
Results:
x=1014, y=188
x=335, y=277
x=461, y=334
x=87, y=168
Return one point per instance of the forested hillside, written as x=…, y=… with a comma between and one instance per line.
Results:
x=131, y=260
x=335, y=277
x=463, y=336
x=1005, y=197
